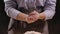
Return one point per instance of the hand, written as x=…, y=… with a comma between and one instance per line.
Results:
x=30, y=19
x=33, y=16
x=42, y=16
x=22, y=17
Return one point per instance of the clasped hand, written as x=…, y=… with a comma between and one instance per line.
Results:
x=32, y=17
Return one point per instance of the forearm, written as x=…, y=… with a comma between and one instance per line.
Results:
x=46, y=15
x=49, y=9
x=15, y=14
x=10, y=8
x=21, y=16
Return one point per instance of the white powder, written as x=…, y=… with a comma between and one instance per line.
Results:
x=32, y=32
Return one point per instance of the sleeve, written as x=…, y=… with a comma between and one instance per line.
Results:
x=10, y=8
x=49, y=9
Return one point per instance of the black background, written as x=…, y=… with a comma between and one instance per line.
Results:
x=54, y=25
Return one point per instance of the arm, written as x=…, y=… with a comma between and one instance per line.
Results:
x=10, y=8
x=49, y=10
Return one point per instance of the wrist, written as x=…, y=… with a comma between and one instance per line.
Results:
x=42, y=16
x=22, y=17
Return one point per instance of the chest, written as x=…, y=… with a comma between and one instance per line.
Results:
x=24, y=3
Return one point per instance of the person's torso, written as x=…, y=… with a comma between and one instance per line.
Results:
x=30, y=3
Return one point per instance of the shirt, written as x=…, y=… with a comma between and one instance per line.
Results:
x=49, y=7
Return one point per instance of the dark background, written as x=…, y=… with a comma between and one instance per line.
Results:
x=54, y=25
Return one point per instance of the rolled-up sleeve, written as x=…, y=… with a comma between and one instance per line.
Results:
x=49, y=9
x=10, y=8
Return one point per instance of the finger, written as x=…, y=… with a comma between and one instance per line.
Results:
x=30, y=19
x=34, y=13
x=33, y=19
